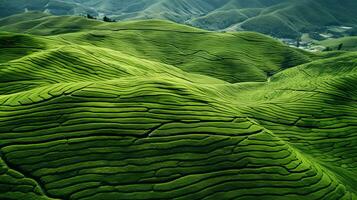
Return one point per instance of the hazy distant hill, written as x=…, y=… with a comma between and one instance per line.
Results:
x=345, y=43
x=221, y=55
x=151, y=109
x=282, y=18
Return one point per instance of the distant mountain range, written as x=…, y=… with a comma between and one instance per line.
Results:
x=151, y=109
x=280, y=18
x=92, y=109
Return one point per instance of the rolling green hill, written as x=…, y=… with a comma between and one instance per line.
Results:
x=280, y=18
x=227, y=56
x=348, y=43
x=156, y=110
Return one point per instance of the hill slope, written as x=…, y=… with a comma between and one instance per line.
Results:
x=105, y=114
x=348, y=43
x=227, y=56
x=281, y=18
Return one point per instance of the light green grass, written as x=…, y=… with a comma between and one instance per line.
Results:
x=274, y=17
x=348, y=43
x=233, y=57
x=135, y=112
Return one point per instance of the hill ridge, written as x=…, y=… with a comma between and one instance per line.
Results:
x=280, y=18
x=168, y=115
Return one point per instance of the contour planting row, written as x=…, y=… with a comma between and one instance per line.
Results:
x=320, y=117
x=144, y=140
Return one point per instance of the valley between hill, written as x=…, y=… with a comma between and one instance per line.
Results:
x=279, y=18
x=155, y=110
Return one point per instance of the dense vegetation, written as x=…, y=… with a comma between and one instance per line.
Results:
x=343, y=43
x=281, y=18
x=227, y=56
x=156, y=110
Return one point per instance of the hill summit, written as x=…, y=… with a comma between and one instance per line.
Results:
x=151, y=109
x=280, y=18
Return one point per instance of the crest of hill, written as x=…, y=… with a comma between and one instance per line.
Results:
x=281, y=18
x=348, y=43
x=226, y=56
x=43, y=24
x=144, y=110
x=75, y=111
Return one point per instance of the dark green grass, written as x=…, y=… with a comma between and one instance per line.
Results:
x=136, y=112
x=348, y=43
x=233, y=57
x=281, y=18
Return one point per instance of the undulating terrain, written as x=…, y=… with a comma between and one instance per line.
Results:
x=280, y=18
x=347, y=43
x=151, y=109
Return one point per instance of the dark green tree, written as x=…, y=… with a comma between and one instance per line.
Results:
x=327, y=49
x=89, y=16
x=298, y=40
x=340, y=46
x=107, y=19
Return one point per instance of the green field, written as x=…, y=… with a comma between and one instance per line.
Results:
x=348, y=43
x=150, y=109
x=279, y=18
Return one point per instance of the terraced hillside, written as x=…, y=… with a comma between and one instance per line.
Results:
x=225, y=56
x=347, y=43
x=281, y=18
x=152, y=110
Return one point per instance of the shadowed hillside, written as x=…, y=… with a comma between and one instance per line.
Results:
x=345, y=43
x=280, y=18
x=227, y=56
x=156, y=110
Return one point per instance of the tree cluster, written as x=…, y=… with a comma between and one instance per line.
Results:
x=105, y=18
